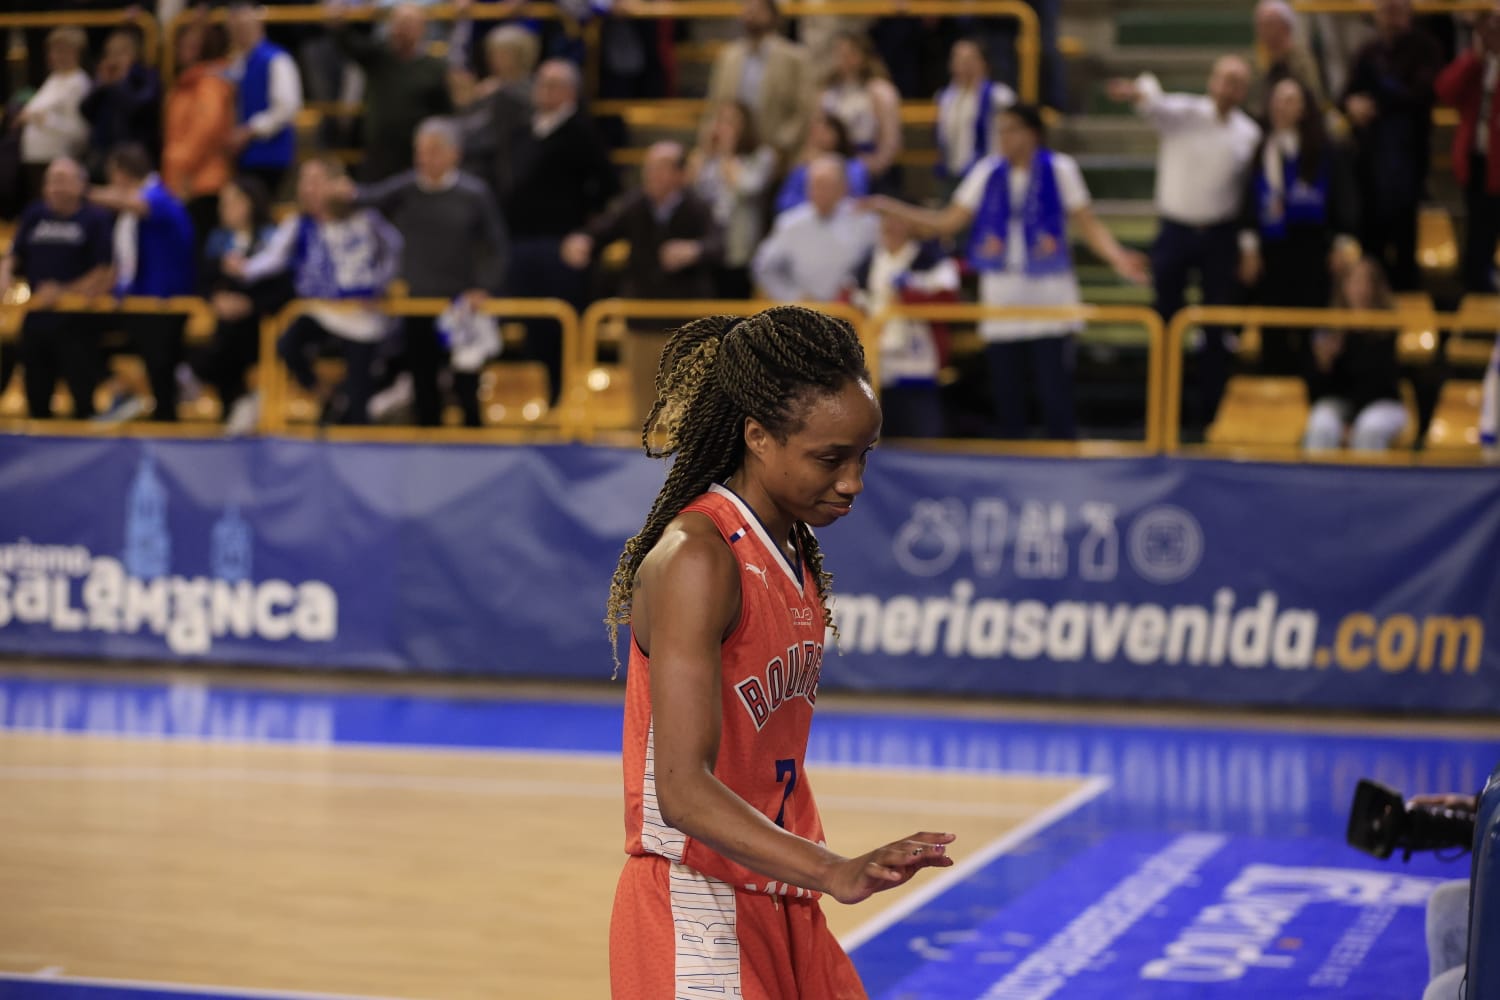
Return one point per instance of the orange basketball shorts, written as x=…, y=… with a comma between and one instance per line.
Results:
x=676, y=934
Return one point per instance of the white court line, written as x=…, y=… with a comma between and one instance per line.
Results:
x=233, y=992
x=947, y=879
x=456, y=784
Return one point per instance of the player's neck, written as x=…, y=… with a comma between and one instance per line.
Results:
x=777, y=524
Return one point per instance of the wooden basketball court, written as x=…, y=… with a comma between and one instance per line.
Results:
x=377, y=871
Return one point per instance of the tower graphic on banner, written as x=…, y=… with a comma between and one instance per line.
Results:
x=148, y=544
x=230, y=546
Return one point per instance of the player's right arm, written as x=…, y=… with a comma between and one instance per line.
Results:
x=687, y=601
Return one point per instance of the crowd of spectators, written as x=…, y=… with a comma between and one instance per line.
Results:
x=481, y=172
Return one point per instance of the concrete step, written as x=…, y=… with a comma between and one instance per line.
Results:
x=1193, y=26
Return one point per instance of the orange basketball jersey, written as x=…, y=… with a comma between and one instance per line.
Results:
x=770, y=663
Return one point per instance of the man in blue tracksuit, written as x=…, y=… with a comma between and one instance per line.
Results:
x=155, y=257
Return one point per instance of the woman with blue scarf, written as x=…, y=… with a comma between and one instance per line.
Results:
x=1020, y=202
x=1299, y=212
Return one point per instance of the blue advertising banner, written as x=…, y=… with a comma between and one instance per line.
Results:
x=1131, y=578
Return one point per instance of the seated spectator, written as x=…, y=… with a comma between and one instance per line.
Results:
x=733, y=173
x=403, y=86
x=453, y=245
x=1352, y=376
x=560, y=178
x=331, y=251
x=51, y=122
x=244, y=230
x=268, y=96
x=902, y=270
x=124, y=106
x=825, y=135
x=674, y=247
x=768, y=73
x=1021, y=203
x=154, y=257
x=1471, y=83
x=965, y=110
x=858, y=92
x=199, y=118
x=62, y=246
x=1285, y=58
x=1299, y=212
x=812, y=251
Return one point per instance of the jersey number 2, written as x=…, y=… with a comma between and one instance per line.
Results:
x=786, y=771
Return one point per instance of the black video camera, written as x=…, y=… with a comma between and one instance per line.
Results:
x=1380, y=822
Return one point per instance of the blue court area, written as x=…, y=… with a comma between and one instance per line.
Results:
x=1201, y=859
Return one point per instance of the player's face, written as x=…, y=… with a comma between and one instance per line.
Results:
x=816, y=474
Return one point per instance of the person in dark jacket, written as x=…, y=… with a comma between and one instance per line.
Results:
x=1388, y=100
x=1352, y=375
x=125, y=105
x=1300, y=210
x=675, y=245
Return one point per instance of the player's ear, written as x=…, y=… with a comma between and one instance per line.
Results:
x=757, y=438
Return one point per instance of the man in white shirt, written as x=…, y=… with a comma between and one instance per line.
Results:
x=1207, y=143
x=52, y=124
x=813, y=249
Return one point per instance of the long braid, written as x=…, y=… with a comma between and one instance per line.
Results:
x=714, y=373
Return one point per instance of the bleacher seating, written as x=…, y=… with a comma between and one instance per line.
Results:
x=1261, y=412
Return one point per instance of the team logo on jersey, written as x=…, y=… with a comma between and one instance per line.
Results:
x=802, y=617
x=760, y=572
x=786, y=679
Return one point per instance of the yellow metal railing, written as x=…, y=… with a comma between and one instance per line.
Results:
x=1366, y=322
x=561, y=419
x=150, y=32
x=964, y=312
x=1028, y=38
x=189, y=306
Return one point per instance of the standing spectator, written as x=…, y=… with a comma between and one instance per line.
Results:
x=859, y=93
x=453, y=245
x=902, y=270
x=966, y=110
x=1389, y=100
x=510, y=57
x=1286, y=57
x=733, y=174
x=769, y=74
x=1301, y=210
x=268, y=92
x=562, y=177
x=674, y=247
x=1472, y=85
x=199, y=118
x=1352, y=375
x=1207, y=144
x=52, y=123
x=812, y=251
x=1001, y=35
x=403, y=86
x=489, y=126
x=125, y=105
x=825, y=135
x=331, y=251
x=62, y=247
x=1021, y=203
x=244, y=230
x=154, y=256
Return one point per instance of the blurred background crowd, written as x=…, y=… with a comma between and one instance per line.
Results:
x=1224, y=153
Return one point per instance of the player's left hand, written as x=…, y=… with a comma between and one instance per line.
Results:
x=857, y=879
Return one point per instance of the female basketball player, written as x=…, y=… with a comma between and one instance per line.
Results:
x=771, y=419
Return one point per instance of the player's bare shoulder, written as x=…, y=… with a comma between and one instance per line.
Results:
x=690, y=570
